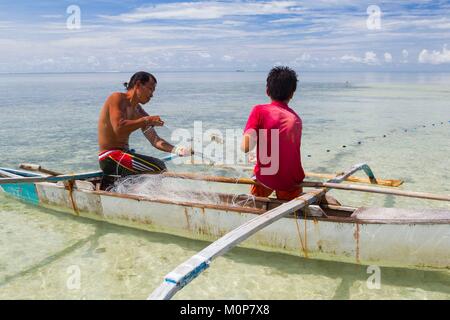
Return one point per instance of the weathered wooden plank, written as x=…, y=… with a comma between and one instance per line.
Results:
x=402, y=193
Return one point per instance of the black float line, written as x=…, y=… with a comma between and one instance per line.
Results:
x=384, y=136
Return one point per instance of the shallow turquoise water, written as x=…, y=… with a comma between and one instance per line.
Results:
x=51, y=120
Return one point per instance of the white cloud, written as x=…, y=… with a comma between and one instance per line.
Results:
x=52, y=16
x=417, y=21
x=233, y=23
x=206, y=10
x=351, y=58
x=405, y=55
x=288, y=20
x=370, y=58
x=209, y=33
x=204, y=55
x=304, y=60
x=304, y=57
x=387, y=57
x=227, y=58
x=93, y=60
x=435, y=57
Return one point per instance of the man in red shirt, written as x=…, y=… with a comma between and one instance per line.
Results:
x=276, y=131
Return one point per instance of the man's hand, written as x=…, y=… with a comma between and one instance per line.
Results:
x=251, y=157
x=182, y=151
x=248, y=141
x=154, y=121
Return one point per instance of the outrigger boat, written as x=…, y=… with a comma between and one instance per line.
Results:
x=371, y=236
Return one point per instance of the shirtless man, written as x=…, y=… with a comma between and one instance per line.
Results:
x=121, y=115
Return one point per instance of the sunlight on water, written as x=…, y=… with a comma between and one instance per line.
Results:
x=384, y=120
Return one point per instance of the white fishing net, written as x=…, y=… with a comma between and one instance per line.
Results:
x=158, y=187
x=164, y=188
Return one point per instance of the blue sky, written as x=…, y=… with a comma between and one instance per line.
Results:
x=320, y=35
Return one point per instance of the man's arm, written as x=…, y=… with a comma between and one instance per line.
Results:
x=156, y=141
x=249, y=139
x=151, y=135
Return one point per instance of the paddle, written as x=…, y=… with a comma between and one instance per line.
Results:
x=191, y=268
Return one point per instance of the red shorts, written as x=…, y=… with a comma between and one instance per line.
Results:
x=263, y=191
x=125, y=162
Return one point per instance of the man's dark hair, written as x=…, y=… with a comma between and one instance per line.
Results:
x=141, y=76
x=281, y=83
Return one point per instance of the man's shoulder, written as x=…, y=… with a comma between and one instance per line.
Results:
x=115, y=96
x=114, y=99
x=263, y=105
x=260, y=107
x=295, y=113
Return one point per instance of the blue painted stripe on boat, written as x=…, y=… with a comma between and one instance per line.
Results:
x=25, y=191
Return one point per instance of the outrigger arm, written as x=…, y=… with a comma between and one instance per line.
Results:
x=191, y=268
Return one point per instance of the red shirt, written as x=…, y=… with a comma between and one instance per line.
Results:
x=279, y=164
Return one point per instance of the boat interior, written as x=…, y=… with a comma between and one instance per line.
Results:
x=224, y=201
x=246, y=203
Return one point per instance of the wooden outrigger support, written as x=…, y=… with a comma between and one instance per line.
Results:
x=191, y=268
x=381, y=182
x=55, y=176
x=313, y=184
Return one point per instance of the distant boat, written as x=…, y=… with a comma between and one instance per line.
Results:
x=239, y=70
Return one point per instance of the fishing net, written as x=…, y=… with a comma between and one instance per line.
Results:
x=164, y=188
x=158, y=187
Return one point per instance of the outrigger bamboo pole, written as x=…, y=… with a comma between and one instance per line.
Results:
x=312, y=184
x=401, y=193
x=39, y=168
x=306, y=184
x=381, y=182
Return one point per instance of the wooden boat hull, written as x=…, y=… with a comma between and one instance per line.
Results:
x=370, y=236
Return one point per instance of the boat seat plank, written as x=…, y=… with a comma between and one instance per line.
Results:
x=402, y=215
